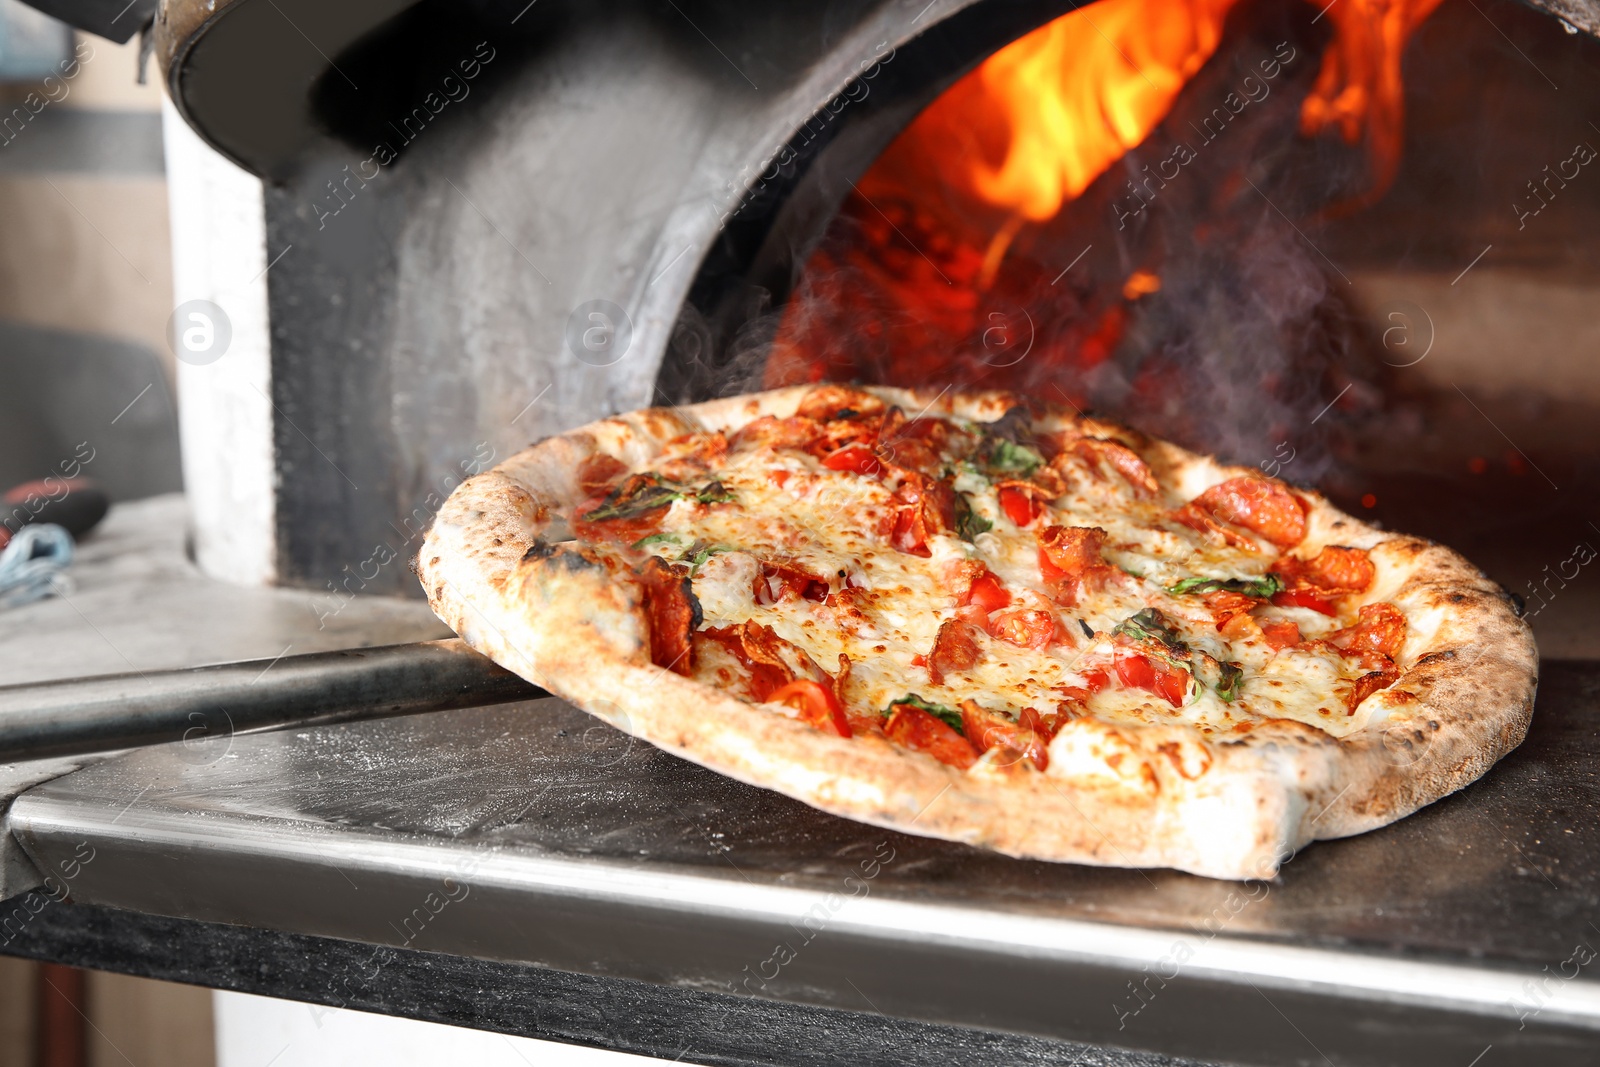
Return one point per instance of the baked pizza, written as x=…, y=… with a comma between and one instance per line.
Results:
x=979, y=618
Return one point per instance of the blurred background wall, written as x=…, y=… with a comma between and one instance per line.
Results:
x=85, y=291
x=85, y=262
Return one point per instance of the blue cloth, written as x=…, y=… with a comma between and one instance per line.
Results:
x=31, y=563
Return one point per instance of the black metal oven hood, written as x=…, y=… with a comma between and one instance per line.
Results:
x=261, y=81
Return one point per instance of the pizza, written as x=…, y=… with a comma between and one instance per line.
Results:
x=979, y=618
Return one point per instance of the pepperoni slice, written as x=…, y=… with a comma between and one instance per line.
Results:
x=1368, y=684
x=1070, y=560
x=955, y=648
x=1319, y=582
x=772, y=432
x=928, y=507
x=829, y=402
x=1017, y=741
x=756, y=647
x=1379, y=628
x=672, y=612
x=1306, y=598
x=1070, y=552
x=597, y=473
x=914, y=728
x=1120, y=458
x=1279, y=633
x=1260, y=505
x=1340, y=569
x=1226, y=606
x=776, y=583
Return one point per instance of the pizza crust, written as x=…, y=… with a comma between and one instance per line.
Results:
x=499, y=570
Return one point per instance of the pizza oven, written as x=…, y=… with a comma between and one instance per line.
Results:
x=1353, y=245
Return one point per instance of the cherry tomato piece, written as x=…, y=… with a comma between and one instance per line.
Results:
x=816, y=705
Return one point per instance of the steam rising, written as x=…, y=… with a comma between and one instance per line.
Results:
x=1183, y=291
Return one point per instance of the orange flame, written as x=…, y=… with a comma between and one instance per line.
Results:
x=905, y=292
x=1081, y=91
x=1043, y=117
x=1359, y=88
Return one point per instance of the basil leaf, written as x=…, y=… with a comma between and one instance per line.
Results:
x=1151, y=627
x=1264, y=587
x=700, y=551
x=969, y=524
x=655, y=539
x=948, y=715
x=634, y=497
x=714, y=493
x=646, y=492
x=1232, y=679
x=1001, y=456
x=1224, y=679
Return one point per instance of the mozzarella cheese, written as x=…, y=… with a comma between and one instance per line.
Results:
x=789, y=509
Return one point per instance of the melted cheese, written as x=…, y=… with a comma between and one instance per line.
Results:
x=829, y=523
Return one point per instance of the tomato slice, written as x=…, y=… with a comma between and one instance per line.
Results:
x=911, y=531
x=912, y=727
x=987, y=593
x=1017, y=505
x=1166, y=681
x=1025, y=629
x=1305, y=598
x=816, y=705
x=855, y=458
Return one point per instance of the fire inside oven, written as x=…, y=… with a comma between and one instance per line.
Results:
x=1356, y=245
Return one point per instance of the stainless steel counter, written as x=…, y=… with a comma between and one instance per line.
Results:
x=530, y=834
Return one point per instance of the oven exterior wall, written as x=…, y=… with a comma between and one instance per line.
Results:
x=420, y=316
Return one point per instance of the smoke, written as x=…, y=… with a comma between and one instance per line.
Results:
x=1184, y=292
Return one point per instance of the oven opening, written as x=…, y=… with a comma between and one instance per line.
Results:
x=1354, y=245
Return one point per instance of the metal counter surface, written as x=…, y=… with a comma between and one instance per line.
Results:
x=531, y=834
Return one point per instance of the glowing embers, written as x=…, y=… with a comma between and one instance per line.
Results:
x=1109, y=202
